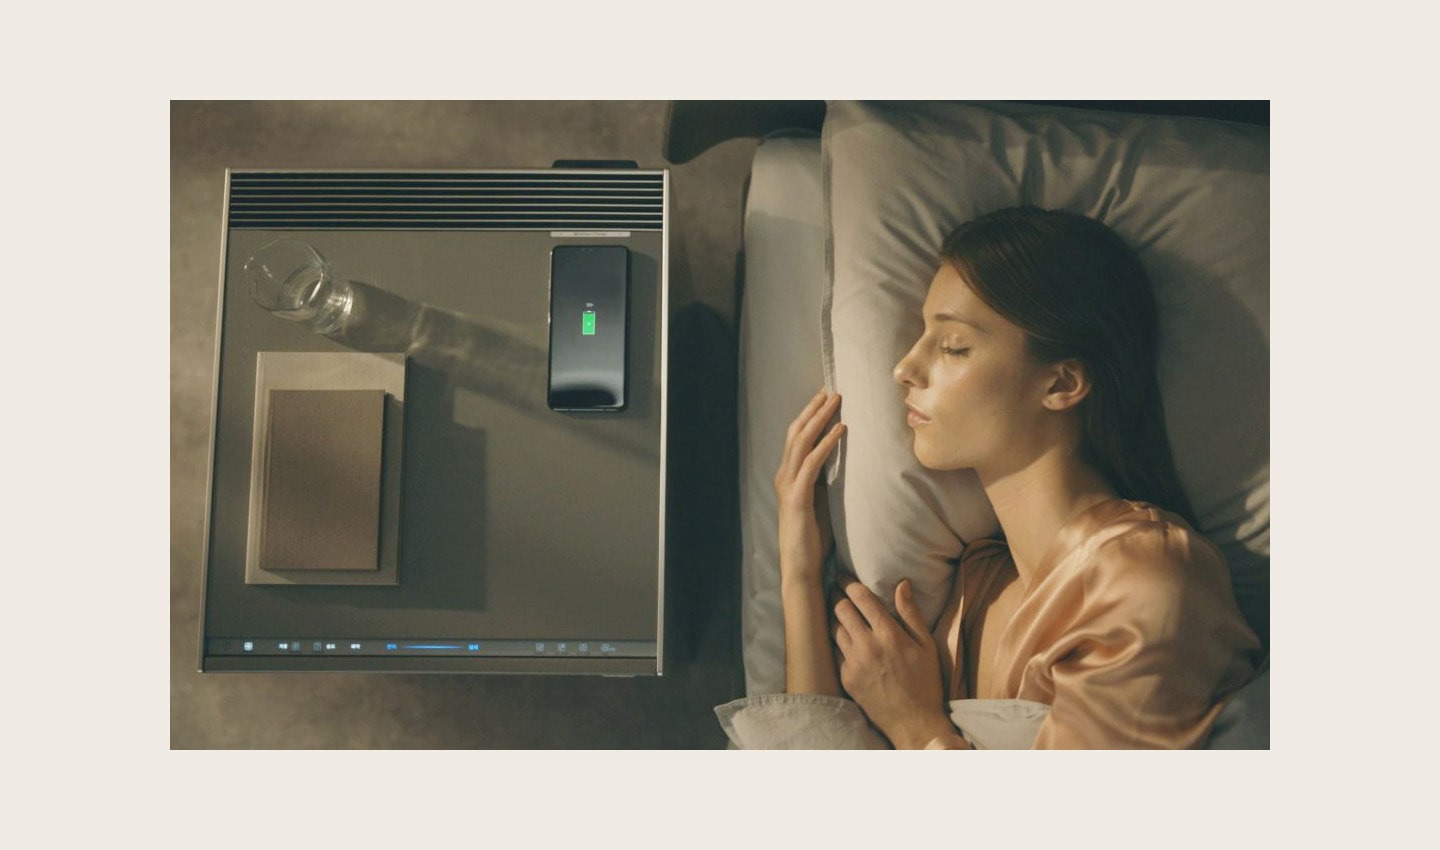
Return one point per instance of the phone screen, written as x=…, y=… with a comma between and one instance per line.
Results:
x=589, y=306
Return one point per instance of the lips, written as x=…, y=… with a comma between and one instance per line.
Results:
x=915, y=417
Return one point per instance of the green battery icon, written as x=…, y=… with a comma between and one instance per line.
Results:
x=587, y=323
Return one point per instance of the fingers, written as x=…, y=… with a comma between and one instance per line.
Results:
x=867, y=609
x=811, y=427
x=910, y=613
x=869, y=606
x=807, y=411
x=794, y=434
x=810, y=467
x=849, y=620
x=817, y=412
x=868, y=613
x=802, y=456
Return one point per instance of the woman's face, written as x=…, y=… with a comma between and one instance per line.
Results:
x=974, y=393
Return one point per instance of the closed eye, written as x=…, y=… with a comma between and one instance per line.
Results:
x=953, y=352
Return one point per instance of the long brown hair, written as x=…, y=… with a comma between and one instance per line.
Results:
x=1078, y=291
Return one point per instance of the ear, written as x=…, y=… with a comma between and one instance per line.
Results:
x=1069, y=383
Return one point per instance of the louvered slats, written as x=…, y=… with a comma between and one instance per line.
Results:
x=601, y=199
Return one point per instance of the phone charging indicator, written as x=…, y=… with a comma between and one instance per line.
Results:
x=587, y=323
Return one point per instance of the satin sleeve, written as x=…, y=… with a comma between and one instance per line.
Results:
x=1153, y=641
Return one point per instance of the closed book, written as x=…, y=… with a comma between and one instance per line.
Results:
x=322, y=480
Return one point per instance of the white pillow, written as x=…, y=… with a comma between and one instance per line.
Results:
x=780, y=371
x=1190, y=195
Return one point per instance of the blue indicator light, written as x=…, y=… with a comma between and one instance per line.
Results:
x=392, y=647
x=431, y=646
x=474, y=647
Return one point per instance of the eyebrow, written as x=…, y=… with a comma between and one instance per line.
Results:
x=951, y=317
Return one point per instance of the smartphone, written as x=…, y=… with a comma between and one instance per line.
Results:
x=589, y=333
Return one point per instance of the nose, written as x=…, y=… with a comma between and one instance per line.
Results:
x=907, y=371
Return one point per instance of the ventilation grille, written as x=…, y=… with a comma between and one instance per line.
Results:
x=461, y=200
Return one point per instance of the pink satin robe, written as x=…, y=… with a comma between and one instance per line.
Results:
x=1128, y=631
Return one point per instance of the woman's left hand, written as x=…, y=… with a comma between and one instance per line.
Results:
x=891, y=669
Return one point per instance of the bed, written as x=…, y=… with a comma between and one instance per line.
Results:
x=845, y=210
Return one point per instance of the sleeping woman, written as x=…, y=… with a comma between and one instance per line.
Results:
x=1036, y=368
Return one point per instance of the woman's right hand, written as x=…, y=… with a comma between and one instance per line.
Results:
x=802, y=550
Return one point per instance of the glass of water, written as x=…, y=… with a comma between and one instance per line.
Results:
x=289, y=278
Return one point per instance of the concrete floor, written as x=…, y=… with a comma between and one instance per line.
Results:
x=214, y=711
